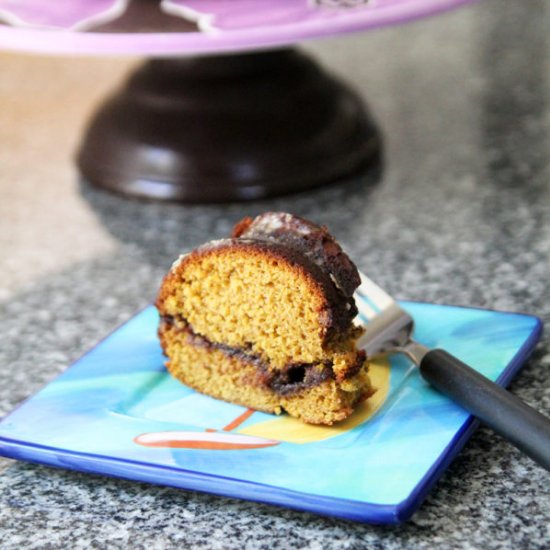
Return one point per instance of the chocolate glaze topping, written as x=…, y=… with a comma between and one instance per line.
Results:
x=313, y=241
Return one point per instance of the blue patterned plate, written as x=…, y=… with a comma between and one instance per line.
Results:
x=117, y=412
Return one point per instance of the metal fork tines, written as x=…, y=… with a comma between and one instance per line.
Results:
x=389, y=328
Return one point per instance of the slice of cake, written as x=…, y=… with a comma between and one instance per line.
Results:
x=264, y=319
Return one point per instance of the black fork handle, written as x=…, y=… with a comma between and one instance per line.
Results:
x=502, y=411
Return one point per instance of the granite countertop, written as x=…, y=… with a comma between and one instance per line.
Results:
x=459, y=215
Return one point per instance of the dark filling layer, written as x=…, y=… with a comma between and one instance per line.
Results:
x=291, y=379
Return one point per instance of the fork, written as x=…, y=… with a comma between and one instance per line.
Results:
x=389, y=330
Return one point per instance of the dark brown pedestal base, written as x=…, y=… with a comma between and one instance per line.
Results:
x=226, y=128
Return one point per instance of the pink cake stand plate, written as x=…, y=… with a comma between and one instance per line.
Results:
x=224, y=109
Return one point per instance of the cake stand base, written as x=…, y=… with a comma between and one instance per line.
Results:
x=225, y=128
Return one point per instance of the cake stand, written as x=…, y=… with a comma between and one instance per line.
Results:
x=224, y=109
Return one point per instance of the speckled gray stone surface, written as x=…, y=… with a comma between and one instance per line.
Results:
x=459, y=215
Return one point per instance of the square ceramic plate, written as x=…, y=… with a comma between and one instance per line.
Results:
x=117, y=412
